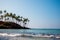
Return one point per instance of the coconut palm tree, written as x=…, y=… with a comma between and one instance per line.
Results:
x=10, y=15
x=0, y=13
x=6, y=15
x=25, y=21
x=17, y=18
x=14, y=16
x=2, y=17
x=4, y=11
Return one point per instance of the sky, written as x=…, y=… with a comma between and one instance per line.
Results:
x=41, y=13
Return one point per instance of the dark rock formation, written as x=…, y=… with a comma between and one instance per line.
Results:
x=11, y=25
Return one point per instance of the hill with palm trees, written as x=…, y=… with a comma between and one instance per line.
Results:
x=12, y=21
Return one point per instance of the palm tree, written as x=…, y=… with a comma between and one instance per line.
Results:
x=25, y=21
x=17, y=18
x=10, y=15
x=2, y=17
x=4, y=11
x=21, y=20
x=0, y=13
x=6, y=15
x=14, y=16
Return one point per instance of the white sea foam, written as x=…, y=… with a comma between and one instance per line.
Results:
x=28, y=35
x=6, y=34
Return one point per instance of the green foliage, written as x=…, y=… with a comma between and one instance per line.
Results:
x=0, y=11
x=13, y=16
x=4, y=11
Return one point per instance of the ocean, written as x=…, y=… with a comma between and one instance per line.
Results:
x=14, y=32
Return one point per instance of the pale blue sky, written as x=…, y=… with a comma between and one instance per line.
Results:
x=41, y=13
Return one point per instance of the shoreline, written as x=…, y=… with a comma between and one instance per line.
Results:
x=29, y=35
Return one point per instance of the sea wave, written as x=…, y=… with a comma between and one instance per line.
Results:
x=29, y=35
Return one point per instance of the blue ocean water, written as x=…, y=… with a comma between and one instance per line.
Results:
x=31, y=31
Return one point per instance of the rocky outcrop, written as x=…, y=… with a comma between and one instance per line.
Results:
x=11, y=25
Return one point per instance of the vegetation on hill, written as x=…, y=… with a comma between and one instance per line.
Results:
x=12, y=21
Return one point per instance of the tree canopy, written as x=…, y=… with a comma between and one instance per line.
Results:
x=16, y=19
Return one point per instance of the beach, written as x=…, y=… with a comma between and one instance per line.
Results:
x=22, y=38
x=29, y=34
x=5, y=36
